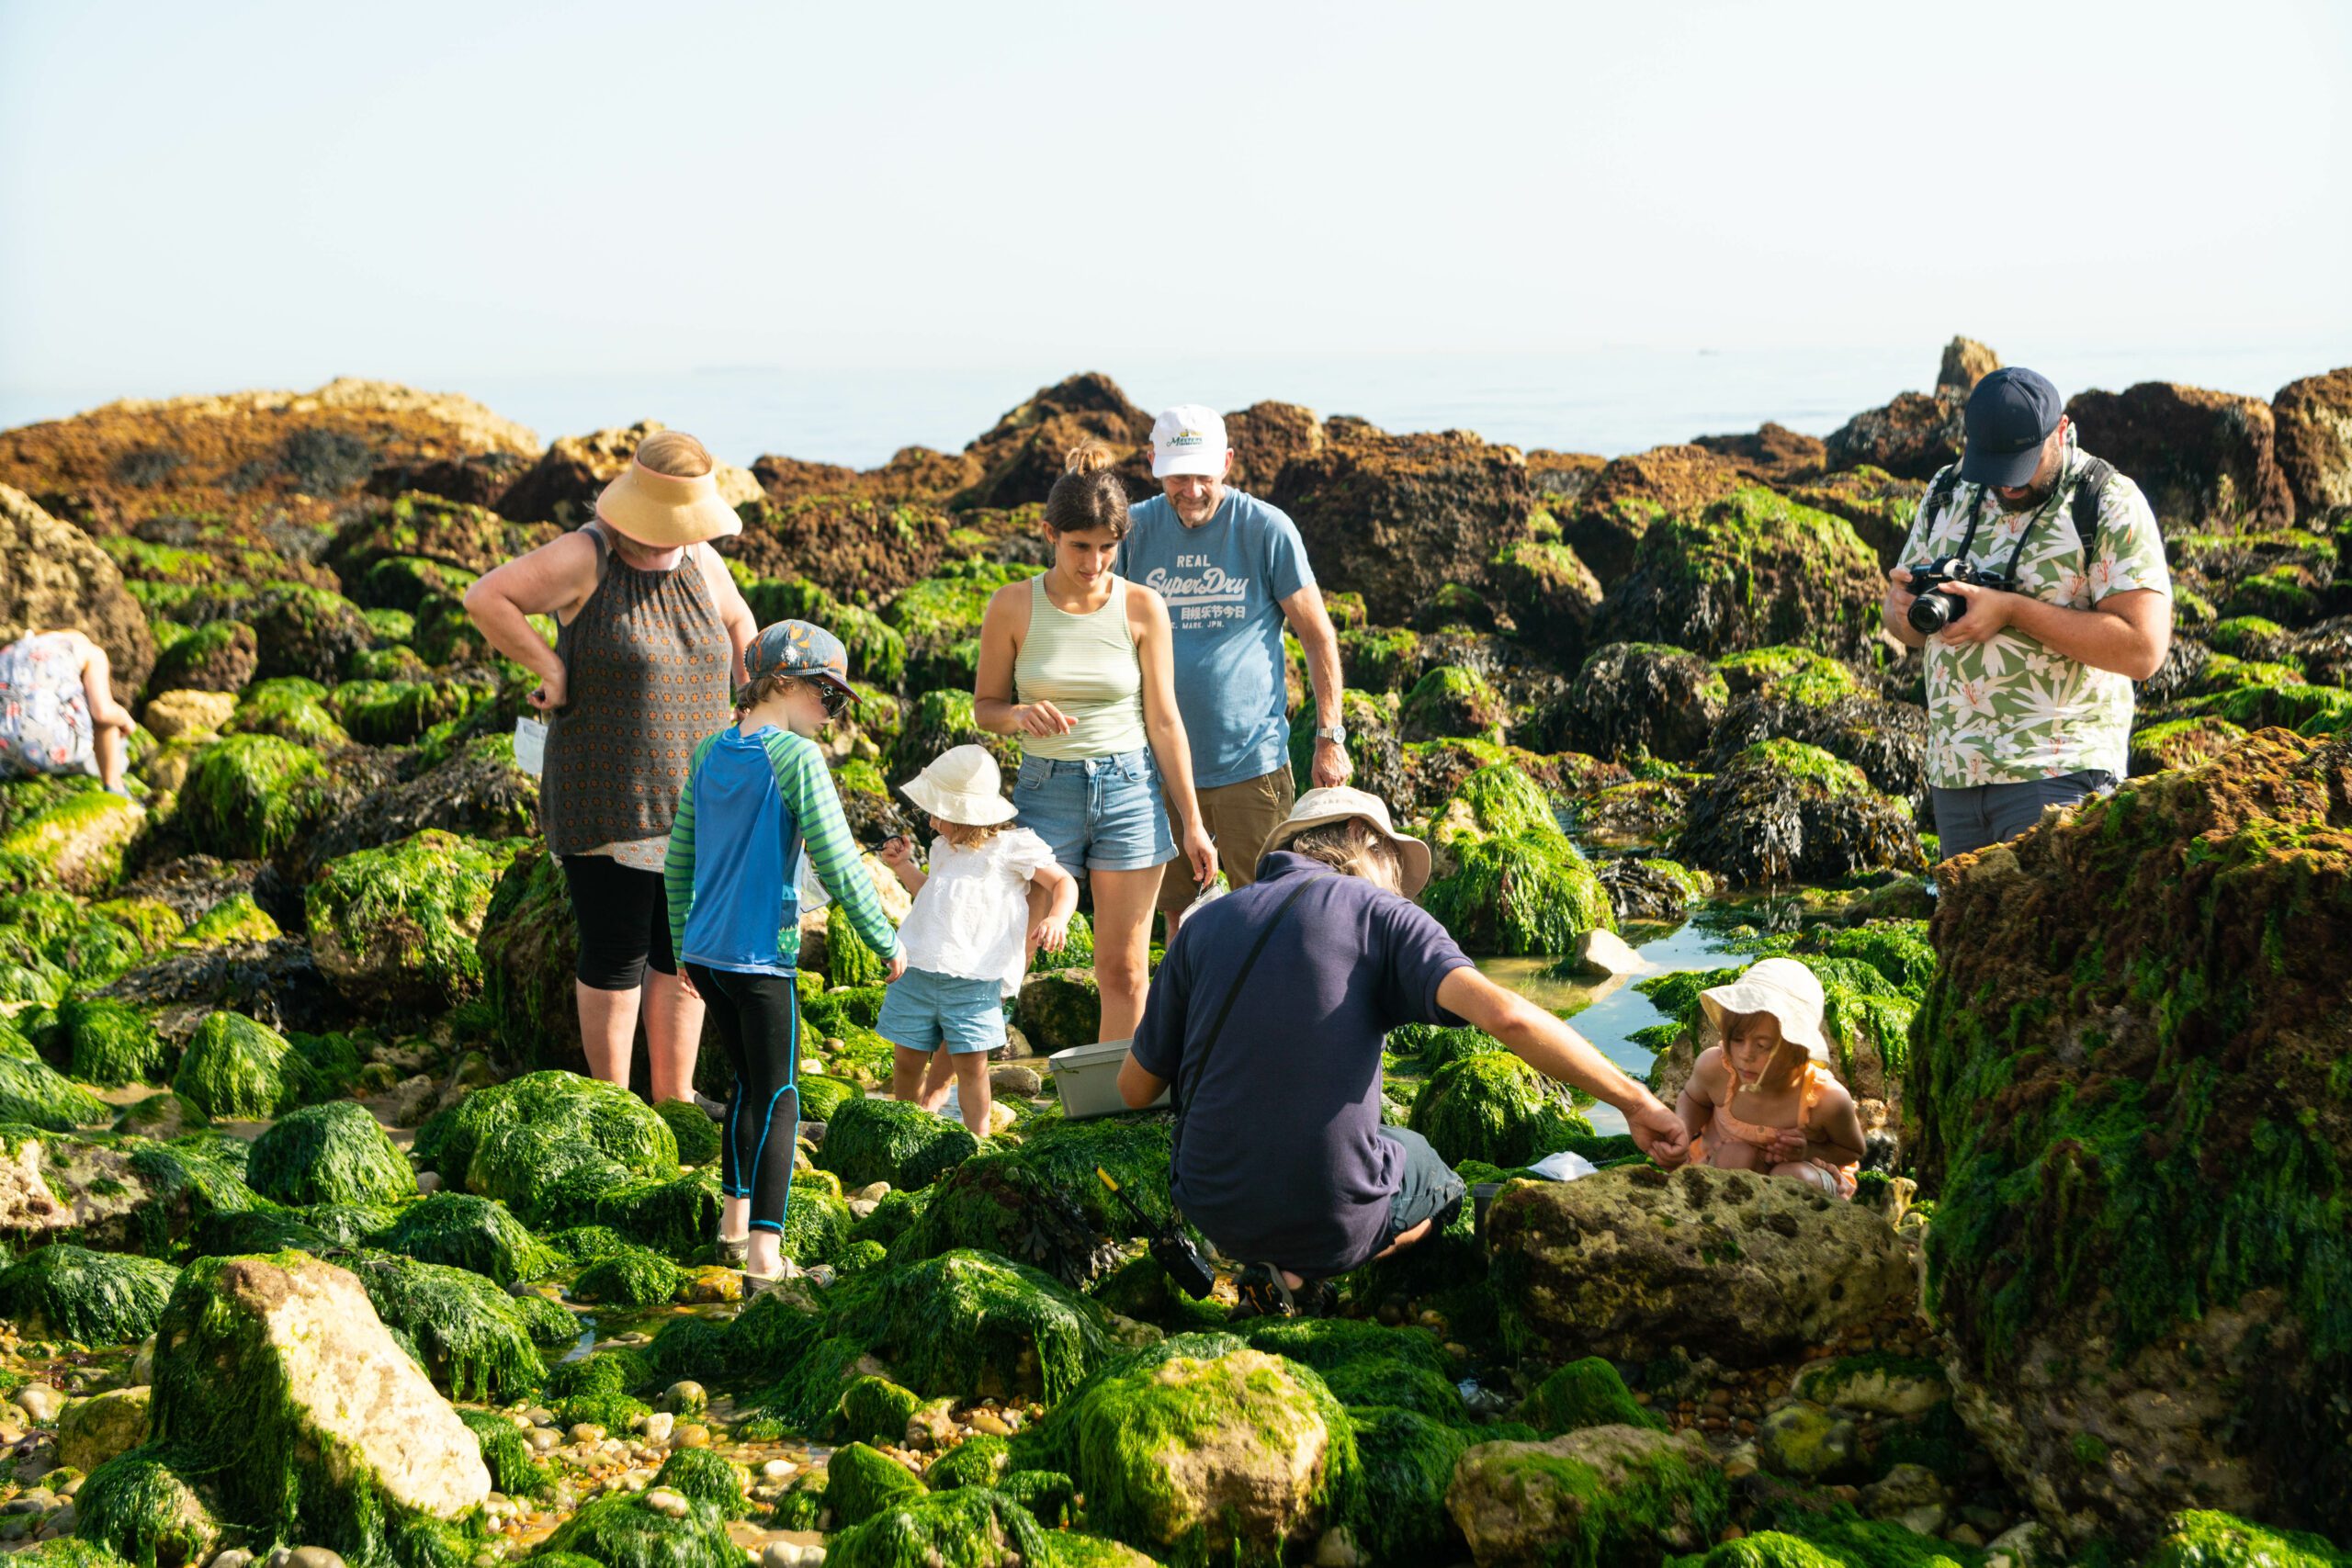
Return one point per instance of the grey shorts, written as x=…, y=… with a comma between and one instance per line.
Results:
x=1969, y=819
x=1430, y=1191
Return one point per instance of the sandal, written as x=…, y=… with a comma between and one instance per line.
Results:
x=732, y=1254
x=1264, y=1294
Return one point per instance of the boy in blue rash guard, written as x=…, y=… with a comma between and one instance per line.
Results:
x=756, y=795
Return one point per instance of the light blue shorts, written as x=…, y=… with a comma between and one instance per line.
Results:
x=1099, y=813
x=923, y=1008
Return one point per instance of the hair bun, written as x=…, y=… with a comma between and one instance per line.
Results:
x=1088, y=458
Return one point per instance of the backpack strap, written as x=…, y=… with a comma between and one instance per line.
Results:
x=2089, y=491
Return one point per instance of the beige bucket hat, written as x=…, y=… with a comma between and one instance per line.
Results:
x=962, y=785
x=665, y=511
x=1782, y=986
x=1320, y=807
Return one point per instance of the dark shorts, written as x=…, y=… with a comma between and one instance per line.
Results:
x=1430, y=1191
x=624, y=918
x=1969, y=819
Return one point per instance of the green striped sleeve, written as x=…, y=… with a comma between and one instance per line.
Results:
x=678, y=866
x=807, y=785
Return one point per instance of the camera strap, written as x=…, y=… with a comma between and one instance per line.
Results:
x=2090, y=487
x=1225, y=1010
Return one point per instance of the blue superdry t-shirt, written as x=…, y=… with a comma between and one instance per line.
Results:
x=1281, y=1159
x=1225, y=583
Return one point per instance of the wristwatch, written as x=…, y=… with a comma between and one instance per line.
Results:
x=1337, y=734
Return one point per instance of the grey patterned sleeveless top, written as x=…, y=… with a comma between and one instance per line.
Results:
x=647, y=664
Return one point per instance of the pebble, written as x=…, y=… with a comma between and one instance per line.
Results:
x=686, y=1398
x=235, y=1557
x=667, y=1500
x=873, y=1192
x=778, y=1469
x=428, y=1181
x=693, y=1434
x=989, y=1422
x=542, y=1438
x=1964, y=1534
x=587, y=1432
x=314, y=1557
x=539, y=1415
x=657, y=1425
x=40, y=1401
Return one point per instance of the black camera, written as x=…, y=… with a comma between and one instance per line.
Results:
x=1935, y=607
x=1170, y=1246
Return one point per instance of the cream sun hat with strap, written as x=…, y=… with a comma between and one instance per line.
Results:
x=1782, y=986
x=665, y=511
x=962, y=785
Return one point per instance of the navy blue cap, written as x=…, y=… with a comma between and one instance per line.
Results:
x=2011, y=414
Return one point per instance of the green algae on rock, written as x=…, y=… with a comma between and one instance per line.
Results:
x=707, y=1477
x=633, y=1276
x=138, y=1506
x=291, y=708
x=113, y=1043
x=397, y=926
x=35, y=1094
x=470, y=1333
x=335, y=1152
x=1520, y=893
x=888, y=1140
x=249, y=796
x=93, y=1298
x=972, y=1325
x=1784, y=811
x=696, y=1133
x=861, y=1481
x=2127, y=1104
x=621, y=1530
x=462, y=1231
x=530, y=953
x=1450, y=702
x=1588, y=1499
x=507, y=1453
x=874, y=1410
x=1492, y=1107
x=2206, y=1538
x=1585, y=1393
x=1407, y=1461
x=237, y=1069
x=968, y=1527
x=1003, y=1204
x=76, y=844
x=276, y=1381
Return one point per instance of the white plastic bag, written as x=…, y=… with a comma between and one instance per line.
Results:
x=813, y=896
x=531, y=745
x=1564, y=1165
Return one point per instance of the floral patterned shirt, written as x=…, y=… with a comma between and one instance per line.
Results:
x=2008, y=710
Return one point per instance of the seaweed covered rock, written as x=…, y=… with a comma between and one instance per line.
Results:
x=552, y=1146
x=290, y=707
x=965, y=1526
x=1633, y=699
x=113, y=1045
x=632, y=1276
x=1585, y=1393
x=974, y=1325
x=35, y=1094
x=94, y=1430
x=861, y=1481
x=1628, y=495
x=2129, y=1105
x=2205, y=460
x=472, y=1336
x=1399, y=517
x=2205, y=1538
x=1201, y=1448
x=335, y=1152
x=463, y=1231
x=1783, y=811
x=76, y=844
x=1060, y=1008
x=397, y=927
x=1519, y=891
x=1910, y=437
x=530, y=954
x=235, y=1068
x=1450, y=701
x=94, y=1298
x=1750, y=570
x=275, y=1376
x=1595, y=1498
x=892, y=1141
x=1634, y=1260
x=624, y=1529
x=139, y=1508
x=247, y=796
x=1006, y=1204
x=1489, y=1106
x=1550, y=592
x=1406, y=1461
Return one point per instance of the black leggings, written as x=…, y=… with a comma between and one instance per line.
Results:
x=624, y=918
x=758, y=1019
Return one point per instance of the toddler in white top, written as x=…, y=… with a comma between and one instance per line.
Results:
x=969, y=937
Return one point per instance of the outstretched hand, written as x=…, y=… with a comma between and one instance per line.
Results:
x=1659, y=1133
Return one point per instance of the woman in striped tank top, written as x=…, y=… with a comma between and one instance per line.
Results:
x=1076, y=663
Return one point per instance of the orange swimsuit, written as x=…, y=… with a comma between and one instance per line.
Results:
x=1723, y=1127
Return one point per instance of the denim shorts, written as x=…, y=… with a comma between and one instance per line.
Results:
x=1099, y=813
x=923, y=1008
x=1969, y=819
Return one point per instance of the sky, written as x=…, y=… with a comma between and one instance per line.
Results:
x=227, y=195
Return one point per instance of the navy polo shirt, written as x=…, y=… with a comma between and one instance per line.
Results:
x=1281, y=1159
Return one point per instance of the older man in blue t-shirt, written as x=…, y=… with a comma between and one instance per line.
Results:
x=1233, y=571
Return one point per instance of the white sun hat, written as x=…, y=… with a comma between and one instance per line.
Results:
x=1188, y=439
x=1338, y=803
x=962, y=785
x=1782, y=986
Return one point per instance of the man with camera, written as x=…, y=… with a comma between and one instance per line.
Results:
x=1269, y=1016
x=2038, y=589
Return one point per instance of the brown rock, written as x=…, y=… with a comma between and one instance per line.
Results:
x=783, y=479
x=1911, y=437
x=2314, y=436
x=1561, y=478
x=1965, y=363
x=53, y=577
x=1773, y=452
x=563, y=485
x=1629, y=493
x=1021, y=455
x=1397, y=517
x=2205, y=460
x=1265, y=437
x=850, y=546
x=1880, y=506
x=250, y=458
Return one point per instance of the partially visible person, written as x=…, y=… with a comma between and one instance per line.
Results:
x=756, y=795
x=1077, y=662
x=969, y=938
x=1233, y=572
x=57, y=709
x=1765, y=1099
x=650, y=643
x=2029, y=691
x=1269, y=1015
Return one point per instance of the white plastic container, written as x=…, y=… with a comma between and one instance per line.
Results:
x=1087, y=1077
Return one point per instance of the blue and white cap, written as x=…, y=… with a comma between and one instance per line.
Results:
x=1188, y=439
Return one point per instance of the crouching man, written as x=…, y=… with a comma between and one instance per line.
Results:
x=1267, y=1016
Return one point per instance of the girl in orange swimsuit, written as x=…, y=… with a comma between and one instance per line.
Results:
x=1765, y=1099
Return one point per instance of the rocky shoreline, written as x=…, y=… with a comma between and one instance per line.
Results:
x=317, y=1251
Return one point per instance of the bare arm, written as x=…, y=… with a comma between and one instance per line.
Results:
x=554, y=579
x=1312, y=623
x=1837, y=1135
x=1061, y=895
x=1893, y=610
x=2127, y=634
x=1165, y=725
x=1003, y=626
x=1696, y=1104
x=1552, y=1048
x=1138, y=1087
x=734, y=610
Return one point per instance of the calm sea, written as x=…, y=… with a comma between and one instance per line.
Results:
x=1606, y=401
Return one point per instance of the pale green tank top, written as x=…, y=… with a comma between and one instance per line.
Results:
x=1087, y=667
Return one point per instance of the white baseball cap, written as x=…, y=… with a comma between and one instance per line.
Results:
x=1187, y=439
